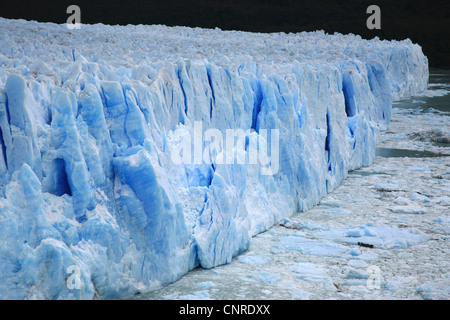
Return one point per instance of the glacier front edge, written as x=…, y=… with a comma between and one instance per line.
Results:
x=114, y=143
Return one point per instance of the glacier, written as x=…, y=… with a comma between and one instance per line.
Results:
x=90, y=118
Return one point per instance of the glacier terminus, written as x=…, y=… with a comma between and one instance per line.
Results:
x=106, y=189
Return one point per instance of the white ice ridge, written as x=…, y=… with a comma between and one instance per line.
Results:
x=91, y=201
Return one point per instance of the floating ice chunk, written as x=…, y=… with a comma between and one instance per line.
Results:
x=398, y=283
x=266, y=277
x=303, y=224
x=197, y=295
x=310, y=272
x=314, y=278
x=419, y=168
x=342, y=211
x=172, y=296
x=408, y=209
x=402, y=201
x=398, y=181
x=386, y=186
x=355, y=233
x=419, y=197
x=356, y=285
x=287, y=223
x=432, y=110
x=300, y=294
x=206, y=285
x=307, y=268
x=356, y=263
x=433, y=93
x=359, y=201
x=439, y=290
x=442, y=200
x=431, y=85
x=357, y=274
x=442, y=219
x=256, y=260
x=314, y=247
x=379, y=237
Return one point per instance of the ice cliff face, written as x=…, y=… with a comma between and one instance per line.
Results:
x=98, y=196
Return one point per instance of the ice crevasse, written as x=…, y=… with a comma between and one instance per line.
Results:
x=92, y=203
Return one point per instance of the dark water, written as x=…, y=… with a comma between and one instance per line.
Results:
x=403, y=153
x=439, y=83
x=439, y=80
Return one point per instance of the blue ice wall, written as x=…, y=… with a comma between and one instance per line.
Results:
x=92, y=203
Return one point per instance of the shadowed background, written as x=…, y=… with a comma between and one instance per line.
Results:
x=424, y=22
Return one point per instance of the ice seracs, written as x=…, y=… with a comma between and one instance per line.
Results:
x=88, y=123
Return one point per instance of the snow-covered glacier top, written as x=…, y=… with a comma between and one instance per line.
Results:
x=126, y=50
x=132, y=154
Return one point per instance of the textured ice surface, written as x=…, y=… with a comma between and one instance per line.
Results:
x=380, y=237
x=408, y=253
x=439, y=290
x=89, y=120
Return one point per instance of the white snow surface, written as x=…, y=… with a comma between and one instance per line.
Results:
x=89, y=120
